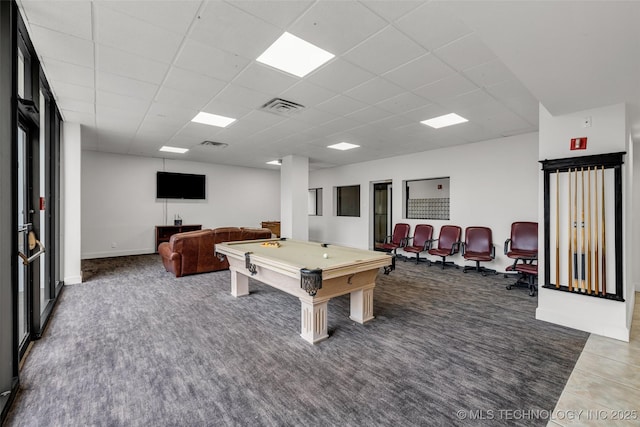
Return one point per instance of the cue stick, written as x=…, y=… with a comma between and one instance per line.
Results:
x=604, y=242
x=569, y=245
x=582, y=260
x=557, y=230
x=597, y=243
x=588, y=226
x=575, y=228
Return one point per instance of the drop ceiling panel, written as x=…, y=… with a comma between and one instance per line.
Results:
x=226, y=110
x=315, y=116
x=192, y=83
x=87, y=119
x=391, y=10
x=419, y=72
x=241, y=96
x=337, y=26
x=125, y=104
x=209, y=60
x=77, y=106
x=384, y=51
x=307, y=94
x=145, y=40
x=63, y=47
x=59, y=71
x=235, y=31
x=339, y=75
x=277, y=12
x=341, y=105
x=71, y=91
x=431, y=26
x=127, y=64
x=184, y=99
x=197, y=132
x=467, y=52
x=449, y=87
x=265, y=79
x=489, y=73
x=402, y=103
x=108, y=82
x=375, y=90
x=174, y=16
x=70, y=17
x=369, y=114
x=171, y=113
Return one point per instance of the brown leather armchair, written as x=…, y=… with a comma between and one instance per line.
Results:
x=193, y=252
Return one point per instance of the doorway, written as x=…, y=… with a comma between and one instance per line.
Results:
x=381, y=212
x=30, y=248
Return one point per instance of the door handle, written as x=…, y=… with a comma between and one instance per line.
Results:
x=33, y=242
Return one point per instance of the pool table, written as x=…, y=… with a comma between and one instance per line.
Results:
x=314, y=272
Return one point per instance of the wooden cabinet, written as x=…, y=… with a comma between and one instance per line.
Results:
x=164, y=232
x=274, y=226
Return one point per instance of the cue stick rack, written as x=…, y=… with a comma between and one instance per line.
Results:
x=583, y=225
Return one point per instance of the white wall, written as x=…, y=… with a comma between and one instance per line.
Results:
x=120, y=211
x=607, y=134
x=493, y=183
x=71, y=164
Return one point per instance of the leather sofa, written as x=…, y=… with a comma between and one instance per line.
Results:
x=193, y=252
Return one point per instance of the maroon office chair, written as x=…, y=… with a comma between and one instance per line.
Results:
x=478, y=247
x=522, y=247
x=523, y=242
x=448, y=244
x=528, y=275
x=421, y=240
x=398, y=239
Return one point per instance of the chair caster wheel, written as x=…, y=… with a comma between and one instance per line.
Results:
x=508, y=287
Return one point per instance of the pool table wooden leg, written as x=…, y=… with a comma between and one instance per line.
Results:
x=313, y=320
x=239, y=284
x=362, y=305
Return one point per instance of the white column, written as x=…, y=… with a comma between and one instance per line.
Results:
x=294, y=193
x=71, y=159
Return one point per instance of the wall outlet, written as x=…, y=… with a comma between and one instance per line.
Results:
x=114, y=244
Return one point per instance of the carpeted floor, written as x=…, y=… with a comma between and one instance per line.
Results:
x=134, y=346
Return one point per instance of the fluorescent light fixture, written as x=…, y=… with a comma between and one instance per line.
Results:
x=169, y=149
x=294, y=55
x=275, y=162
x=446, y=120
x=213, y=119
x=343, y=146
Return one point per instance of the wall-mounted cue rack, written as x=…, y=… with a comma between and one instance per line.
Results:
x=582, y=198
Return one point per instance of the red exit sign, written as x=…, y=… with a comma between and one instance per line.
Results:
x=578, y=143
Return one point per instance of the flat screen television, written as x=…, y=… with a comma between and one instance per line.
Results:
x=173, y=185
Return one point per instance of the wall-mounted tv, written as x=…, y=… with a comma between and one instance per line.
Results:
x=173, y=185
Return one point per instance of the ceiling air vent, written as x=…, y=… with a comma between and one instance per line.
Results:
x=282, y=107
x=214, y=144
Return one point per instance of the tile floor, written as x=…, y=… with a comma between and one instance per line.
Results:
x=604, y=387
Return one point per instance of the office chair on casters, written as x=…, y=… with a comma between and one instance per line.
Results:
x=421, y=240
x=397, y=240
x=522, y=247
x=478, y=246
x=448, y=244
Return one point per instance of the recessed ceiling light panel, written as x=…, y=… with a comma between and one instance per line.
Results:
x=212, y=119
x=275, y=162
x=293, y=55
x=169, y=149
x=443, y=121
x=343, y=146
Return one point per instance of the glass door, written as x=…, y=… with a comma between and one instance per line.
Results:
x=381, y=212
x=24, y=278
x=30, y=248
